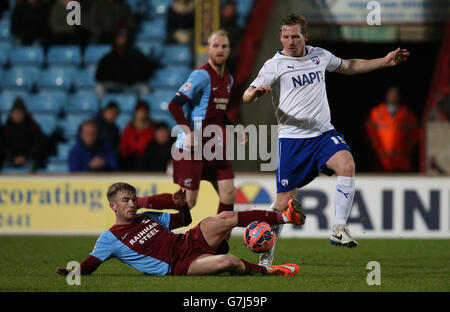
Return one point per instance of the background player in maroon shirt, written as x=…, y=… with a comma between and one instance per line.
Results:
x=206, y=92
x=145, y=242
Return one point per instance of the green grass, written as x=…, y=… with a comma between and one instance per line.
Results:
x=28, y=263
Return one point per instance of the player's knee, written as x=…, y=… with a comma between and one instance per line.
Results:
x=227, y=263
x=348, y=168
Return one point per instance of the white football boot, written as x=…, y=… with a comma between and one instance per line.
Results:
x=341, y=237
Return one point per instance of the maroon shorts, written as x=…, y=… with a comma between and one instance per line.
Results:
x=188, y=173
x=192, y=246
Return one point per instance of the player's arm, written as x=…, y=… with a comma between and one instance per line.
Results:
x=87, y=267
x=253, y=93
x=160, y=201
x=360, y=66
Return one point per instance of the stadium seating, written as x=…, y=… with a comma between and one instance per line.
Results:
x=8, y=97
x=152, y=30
x=126, y=101
x=56, y=78
x=47, y=122
x=46, y=102
x=159, y=8
x=170, y=77
x=95, y=52
x=19, y=78
x=5, y=33
x=123, y=120
x=64, y=56
x=177, y=54
x=84, y=79
x=166, y=117
x=62, y=152
x=72, y=122
x=152, y=49
x=56, y=167
x=4, y=53
x=26, y=56
x=82, y=102
x=159, y=100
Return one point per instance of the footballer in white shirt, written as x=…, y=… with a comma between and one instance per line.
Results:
x=307, y=141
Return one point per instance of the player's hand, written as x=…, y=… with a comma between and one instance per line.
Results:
x=179, y=198
x=63, y=271
x=261, y=90
x=395, y=57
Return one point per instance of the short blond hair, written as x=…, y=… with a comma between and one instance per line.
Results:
x=117, y=187
x=218, y=33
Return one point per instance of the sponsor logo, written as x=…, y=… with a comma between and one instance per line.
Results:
x=252, y=194
x=187, y=182
x=315, y=60
x=187, y=86
x=291, y=66
x=284, y=182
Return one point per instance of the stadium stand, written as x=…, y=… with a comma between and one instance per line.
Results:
x=58, y=81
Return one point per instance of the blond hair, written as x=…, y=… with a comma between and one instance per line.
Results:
x=218, y=33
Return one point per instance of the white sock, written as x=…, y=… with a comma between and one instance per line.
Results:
x=343, y=199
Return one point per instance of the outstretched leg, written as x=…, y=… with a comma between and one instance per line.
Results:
x=213, y=264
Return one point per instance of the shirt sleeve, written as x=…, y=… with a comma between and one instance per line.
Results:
x=266, y=76
x=103, y=249
x=198, y=80
x=334, y=62
x=162, y=218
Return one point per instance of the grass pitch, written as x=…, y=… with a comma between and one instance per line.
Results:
x=28, y=263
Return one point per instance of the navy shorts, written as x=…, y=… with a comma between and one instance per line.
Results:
x=301, y=160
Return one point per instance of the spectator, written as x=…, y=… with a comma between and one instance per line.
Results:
x=63, y=33
x=393, y=133
x=181, y=22
x=124, y=67
x=157, y=156
x=29, y=21
x=138, y=133
x=107, y=128
x=228, y=21
x=23, y=140
x=106, y=16
x=90, y=153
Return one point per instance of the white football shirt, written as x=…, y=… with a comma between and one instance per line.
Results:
x=303, y=110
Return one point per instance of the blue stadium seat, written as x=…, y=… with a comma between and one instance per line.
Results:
x=4, y=53
x=56, y=78
x=177, y=54
x=159, y=100
x=162, y=116
x=243, y=10
x=20, y=78
x=14, y=170
x=95, y=52
x=72, y=122
x=57, y=167
x=46, y=102
x=26, y=56
x=8, y=97
x=126, y=101
x=170, y=77
x=64, y=55
x=5, y=33
x=152, y=30
x=159, y=8
x=123, y=120
x=82, y=102
x=62, y=152
x=84, y=79
x=46, y=121
x=150, y=48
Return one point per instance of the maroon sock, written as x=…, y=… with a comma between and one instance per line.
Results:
x=251, y=268
x=225, y=207
x=271, y=217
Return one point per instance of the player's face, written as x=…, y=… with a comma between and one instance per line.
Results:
x=125, y=205
x=219, y=50
x=293, y=40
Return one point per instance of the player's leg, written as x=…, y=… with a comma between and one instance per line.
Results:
x=280, y=205
x=343, y=164
x=213, y=264
x=191, y=197
x=215, y=228
x=227, y=195
x=187, y=174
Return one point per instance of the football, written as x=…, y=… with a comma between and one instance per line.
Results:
x=259, y=236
